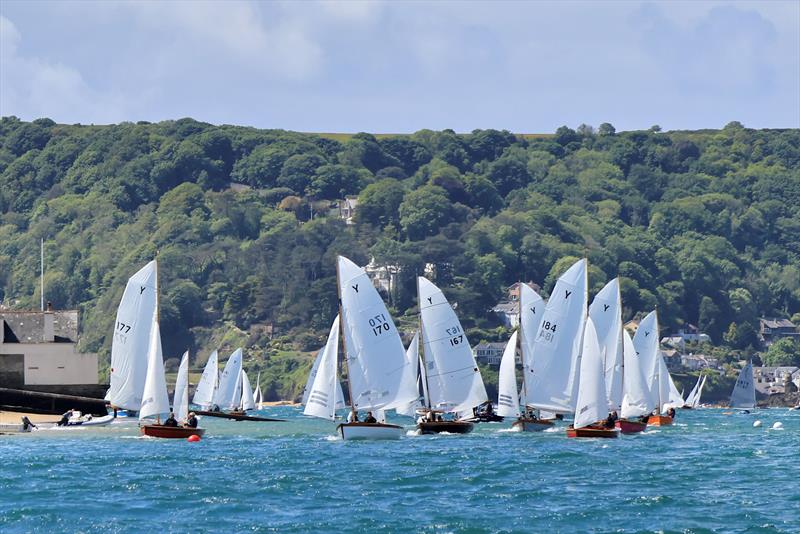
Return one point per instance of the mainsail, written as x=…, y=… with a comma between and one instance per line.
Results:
x=606, y=313
x=556, y=351
x=696, y=399
x=131, y=339
x=375, y=356
x=413, y=377
x=645, y=342
x=321, y=398
x=744, y=391
x=531, y=310
x=155, y=400
x=248, y=402
x=592, y=403
x=508, y=397
x=180, y=399
x=230, y=384
x=334, y=331
x=454, y=380
x=207, y=386
x=636, y=395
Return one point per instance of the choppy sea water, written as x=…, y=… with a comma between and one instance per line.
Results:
x=709, y=472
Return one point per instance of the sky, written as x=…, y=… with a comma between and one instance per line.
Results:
x=398, y=67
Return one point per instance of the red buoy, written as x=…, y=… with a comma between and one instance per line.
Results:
x=193, y=438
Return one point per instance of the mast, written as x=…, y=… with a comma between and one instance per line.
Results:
x=341, y=338
x=621, y=345
x=423, y=353
x=521, y=347
x=41, y=280
x=158, y=320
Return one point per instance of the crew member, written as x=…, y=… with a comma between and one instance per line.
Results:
x=370, y=418
x=171, y=421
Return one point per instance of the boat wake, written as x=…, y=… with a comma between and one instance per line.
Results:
x=512, y=429
x=335, y=437
x=553, y=429
x=413, y=433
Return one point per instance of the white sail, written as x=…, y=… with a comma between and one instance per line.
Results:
x=207, y=386
x=311, y=375
x=645, y=341
x=180, y=399
x=636, y=395
x=155, y=399
x=454, y=380
x=662, y=384
x=696, y=399
x=230, y=384
x=257, y=396
x=531, y=307
x=556, y=352
x=592, y=402
x=247, y=402
x=675, y=397
x=376, y=359
x=321, y=398
x=507, y=397
x=131, y=339
x=606, y=313
x=744, y=391
x=413, y=378
x=693, y=392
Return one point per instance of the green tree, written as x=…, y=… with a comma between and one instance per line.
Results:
x=378, y=203
x=424, y=211
x=783, y=352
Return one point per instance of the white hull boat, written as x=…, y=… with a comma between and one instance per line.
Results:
x=370, y=431
x=533, y=425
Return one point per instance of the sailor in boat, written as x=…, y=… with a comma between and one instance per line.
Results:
x=671, y=412
x=370, y=418
x=612, y=419
x=64, y=421
x=171, y=421
x=26, y=423
x=352, y=417
x=191, y=421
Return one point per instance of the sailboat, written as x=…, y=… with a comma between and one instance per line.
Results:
x=338, y=395
x=693, y=399
x=155, y=400
x=131, y=340
x=645, y=341
x=209, y=381
x=229, y=391
x=247, y=401
x=414, y=377
x=531, y=309
x=258, y=397
x=635, y=408
x=697, y=396
x=743, y=395
x=554, y=365
x=374, y=359
x=606, y=314
x=454, y=382
x=591, y=406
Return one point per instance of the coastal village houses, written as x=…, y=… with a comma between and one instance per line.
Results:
x=771, y=330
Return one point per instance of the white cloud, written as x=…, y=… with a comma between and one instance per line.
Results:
x=33, y=87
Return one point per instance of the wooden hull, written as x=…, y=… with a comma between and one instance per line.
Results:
x=364, y=431
x=453, y=427
x=533, y=425
x=237, y=416
x=686, y=408
x=592, y=432
x=170, y=432
x=631, y=427
x=659, y=420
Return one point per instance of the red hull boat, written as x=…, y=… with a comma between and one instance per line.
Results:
x=173, y=432
x=592, y=432
x=452, y=427
x=631, y=427
x=659, y=420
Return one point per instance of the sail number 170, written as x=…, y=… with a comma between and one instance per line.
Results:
x=379, y=324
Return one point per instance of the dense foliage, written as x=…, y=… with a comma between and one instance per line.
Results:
x=705, y=225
